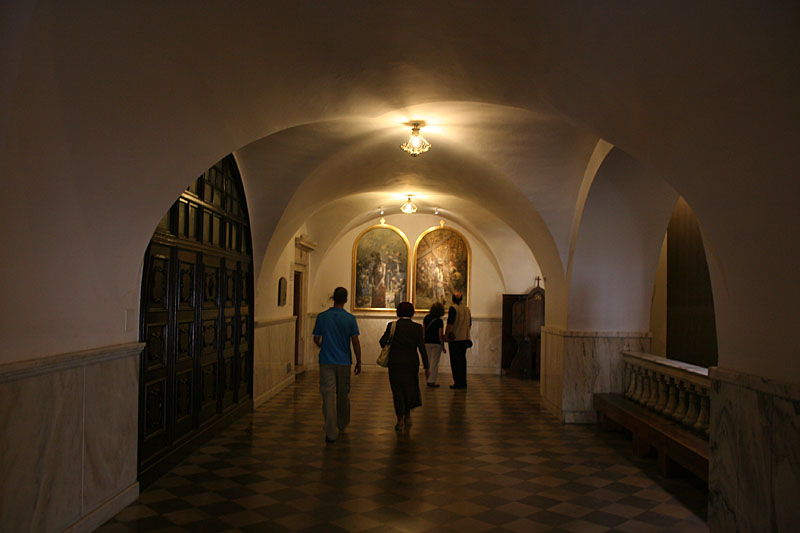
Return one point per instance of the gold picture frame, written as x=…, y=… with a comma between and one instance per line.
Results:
x=380, y=274
x=442, y=265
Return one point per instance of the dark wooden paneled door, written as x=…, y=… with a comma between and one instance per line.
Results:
x=196, y=316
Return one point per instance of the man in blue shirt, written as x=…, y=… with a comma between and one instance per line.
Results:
x=334, y=331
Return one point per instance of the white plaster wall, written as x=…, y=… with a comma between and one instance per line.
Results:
x=658, y=307
x=616, y=254
x=267, y=287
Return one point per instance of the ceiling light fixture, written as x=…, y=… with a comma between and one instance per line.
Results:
x=416, y=144
x=408, y=207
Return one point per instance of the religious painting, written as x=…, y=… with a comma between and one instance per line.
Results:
x=380, y=269
x=441, y=267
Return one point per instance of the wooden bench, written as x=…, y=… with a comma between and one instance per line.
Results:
x=673, y=442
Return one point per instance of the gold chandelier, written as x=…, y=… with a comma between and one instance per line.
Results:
x=416, y=144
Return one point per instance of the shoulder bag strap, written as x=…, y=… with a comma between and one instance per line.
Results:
x=391, y=332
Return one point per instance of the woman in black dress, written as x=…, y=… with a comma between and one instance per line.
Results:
x=408, y=341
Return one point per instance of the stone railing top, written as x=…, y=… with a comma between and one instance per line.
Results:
x=670, y=367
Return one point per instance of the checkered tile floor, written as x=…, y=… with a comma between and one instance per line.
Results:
x=486, y=459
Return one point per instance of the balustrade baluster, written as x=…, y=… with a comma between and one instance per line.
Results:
x=662, y=393
x=653, y=399
x=637, y=386
x=629, y=380
x=693, y=411
x=683, y=403
x=702, y=419
x=672, y=401
x=645, y=387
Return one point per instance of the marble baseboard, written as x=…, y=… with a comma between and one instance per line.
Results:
x=106, y=511
x=754, y=470
x=269, y=394
x=578, y=364
x=69, y=435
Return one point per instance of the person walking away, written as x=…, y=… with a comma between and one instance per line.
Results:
x=334, y=331
x=408, y=340
x=459, y=323
x=434, y=340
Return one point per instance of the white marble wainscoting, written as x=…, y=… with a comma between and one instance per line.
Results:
x=551, y=378
x=588, y=362
x=273, y=358
x=483, y=358
x=68, y=425
x=754, y=470
x=311, y=349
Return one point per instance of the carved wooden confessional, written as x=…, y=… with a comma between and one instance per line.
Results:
x=523, y=318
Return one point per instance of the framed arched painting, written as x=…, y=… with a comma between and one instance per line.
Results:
x=380, y=269
x=442, y=262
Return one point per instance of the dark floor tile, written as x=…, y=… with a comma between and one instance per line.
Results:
x=658, y=519
x=385, y=514
x=550, y=518
x=494, y=517
x=439, y=516
x=222, y=508
x=168, y=506
x=604, y=519
x=488, y=500
x=540, y=501
x=149, y=523
x=234, y=493
x=187, y=490
x=209, y=525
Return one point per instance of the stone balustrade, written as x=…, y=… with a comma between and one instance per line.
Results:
x=673, y=389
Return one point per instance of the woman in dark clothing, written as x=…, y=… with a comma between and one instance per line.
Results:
x=408, y=340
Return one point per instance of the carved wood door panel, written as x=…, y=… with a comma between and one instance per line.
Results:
x=195, y=316
x=153, y=436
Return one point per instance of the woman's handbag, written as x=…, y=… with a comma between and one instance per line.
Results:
x=383, y=358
